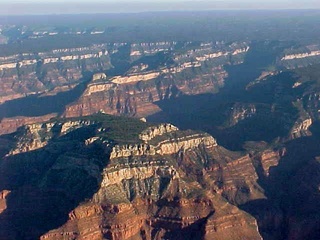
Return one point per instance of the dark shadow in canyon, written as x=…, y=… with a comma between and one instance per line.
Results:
x=48, y=183
x=292, y=207
x=207, y=111
x=35, y=105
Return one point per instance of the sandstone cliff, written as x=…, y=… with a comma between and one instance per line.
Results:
x=134, y=92
x=158, y=188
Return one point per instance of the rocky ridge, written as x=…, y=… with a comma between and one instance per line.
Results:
x=141, y=194
x=300, y=57
x=134, y=93
x=38, y=135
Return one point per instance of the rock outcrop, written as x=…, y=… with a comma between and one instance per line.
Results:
x=134, y=92
x=10, y=125
x=27, y=73
x=300, y=57
x=135, y=95
x=173, y=185
x=152, y=132
x=301, y=128
x=239, y=112
x=35, y=136
x=3, y=203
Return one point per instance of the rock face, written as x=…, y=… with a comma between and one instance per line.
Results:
x=152, y=132
x=9, y=125
x=106, y=177
x=239, y=112
x=269, y=159
x=173, y=185
x=301, y=128
x=84, y=178
x=144, y=195
x=3, y=204
x=134, y=92
x=37, y=135
x=155, y=71
x=27, y=73
x=300, y=57
x=135, y=95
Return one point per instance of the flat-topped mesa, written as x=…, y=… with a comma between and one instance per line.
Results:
x=155, y=131
x=120, y=151
x=173, y=146
x=166, y=147
x=48, y=60
x=140, y=49
x=54, y=56
x=300, y=57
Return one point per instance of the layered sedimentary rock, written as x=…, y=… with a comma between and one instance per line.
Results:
x=37, y=135
x=189, y=189
x=301, y=128
x=159, y=130
x=127, y=191
x=300, y=57
x=269, y=159
x=9, y=125
x=134, y=93
x=27, y=73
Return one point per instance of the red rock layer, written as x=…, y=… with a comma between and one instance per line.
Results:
x=137, y=99
x=143, y=219
x=9, y=125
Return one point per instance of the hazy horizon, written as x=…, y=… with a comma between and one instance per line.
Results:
x=37, y=7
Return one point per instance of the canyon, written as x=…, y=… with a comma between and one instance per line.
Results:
x=163, y=140
x=153, y=182
x=132, y=93
x=141, y=193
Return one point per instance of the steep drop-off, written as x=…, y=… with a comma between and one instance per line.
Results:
x=89, y=180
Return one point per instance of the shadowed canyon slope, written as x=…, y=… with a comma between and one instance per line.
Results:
x=137, y=75
x=166, y=183
x=161, y=140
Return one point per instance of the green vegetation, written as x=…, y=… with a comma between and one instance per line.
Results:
x=310, y=73
x=117, y=128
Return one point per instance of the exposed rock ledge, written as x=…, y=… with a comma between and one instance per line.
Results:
x=166, y=147
x=182, y=144
x=33, y=134
x=116, y=177
x=159, y=130
x=301, y=128
x=132, y=150
x=72, y=125
x=300, y=55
